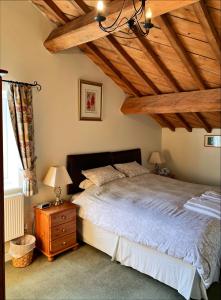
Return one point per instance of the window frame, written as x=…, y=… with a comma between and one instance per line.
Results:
x=11, y=159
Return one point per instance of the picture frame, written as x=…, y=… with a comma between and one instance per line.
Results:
x=212, y=141
x=90, y=100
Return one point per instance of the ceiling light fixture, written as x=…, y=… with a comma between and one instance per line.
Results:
x=134, y=22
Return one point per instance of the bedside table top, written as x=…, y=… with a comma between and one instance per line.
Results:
x=56, y=209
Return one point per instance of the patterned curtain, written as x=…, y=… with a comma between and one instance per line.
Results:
x=21, y=111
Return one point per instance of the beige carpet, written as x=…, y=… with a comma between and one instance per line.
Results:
x=86, y=274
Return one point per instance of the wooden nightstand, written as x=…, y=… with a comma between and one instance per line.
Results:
x=55, y=229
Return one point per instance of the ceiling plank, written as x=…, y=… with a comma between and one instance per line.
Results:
x=131, y=63
x=147, y=49
x=198, y=116
x=184, y=122
x=175, y=42
x=85, y=29
x=102, y=58
x=208, y=27
x=162, y=119
x=195, y=101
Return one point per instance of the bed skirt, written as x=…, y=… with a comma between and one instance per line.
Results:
x=172, y=271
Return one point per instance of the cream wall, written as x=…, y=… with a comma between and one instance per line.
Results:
x=58, y=131
x=188, y=158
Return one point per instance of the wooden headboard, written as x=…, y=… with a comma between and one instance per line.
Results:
x=78, y=162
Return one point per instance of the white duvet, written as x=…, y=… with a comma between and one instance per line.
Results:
x=148, y=209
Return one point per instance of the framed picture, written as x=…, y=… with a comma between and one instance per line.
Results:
x=90, y=102
x=212, y=140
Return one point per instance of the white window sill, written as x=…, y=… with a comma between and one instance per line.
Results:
x=12, y=192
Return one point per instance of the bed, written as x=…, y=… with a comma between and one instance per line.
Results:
x=113, y=225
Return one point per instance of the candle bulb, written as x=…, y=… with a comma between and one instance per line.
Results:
x=147, y=24
x=100, y=17
x=148, y=15
x=100, y=6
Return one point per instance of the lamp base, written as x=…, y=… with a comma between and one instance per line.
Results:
x=156, y=169
x=58, y=200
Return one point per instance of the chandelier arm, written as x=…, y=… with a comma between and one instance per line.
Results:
x=133, y=21
x=141, y=30
x=141, y=8
x=140, y=16
x=137, y=12
x=121, y=25
x=106, y=30
x=107, y=27
x=126, y=38
x=110, y=30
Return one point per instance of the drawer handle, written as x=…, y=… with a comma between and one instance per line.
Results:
x=63, y=230
x=64, y=243
x=63, y=217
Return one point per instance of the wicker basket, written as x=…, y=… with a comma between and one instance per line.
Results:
x=21, y=249
x=23, y=261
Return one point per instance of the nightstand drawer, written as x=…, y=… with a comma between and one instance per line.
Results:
x=63, y=217
x=63, y=242
x=62, y=229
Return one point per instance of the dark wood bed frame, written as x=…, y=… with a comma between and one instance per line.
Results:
x=78, y=162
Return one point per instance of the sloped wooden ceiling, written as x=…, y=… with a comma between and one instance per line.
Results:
x=181, y=54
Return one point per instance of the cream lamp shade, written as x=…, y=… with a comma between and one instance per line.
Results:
x=57, y=176
x=156, y=158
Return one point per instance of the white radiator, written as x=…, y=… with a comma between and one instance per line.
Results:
x=14, y=216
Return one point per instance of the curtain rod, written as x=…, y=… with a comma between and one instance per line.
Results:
x=38, y=86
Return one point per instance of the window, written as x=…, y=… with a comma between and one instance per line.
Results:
x=12, y=162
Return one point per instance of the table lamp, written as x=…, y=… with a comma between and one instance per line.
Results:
x=57, y=177
x=156, y=159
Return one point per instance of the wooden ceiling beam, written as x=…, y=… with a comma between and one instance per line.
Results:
x=92, y=48
x=52, y=11
x=85, y=29
x=162, y=119
x=81, y=6
x=198, y=116
x=208, y=27
x=129, y=61
x=148, y=51
x=57, y=10
x=184, y=122
x=195, y=101
x=111, y=68
x=177, y=45
x=154, y=58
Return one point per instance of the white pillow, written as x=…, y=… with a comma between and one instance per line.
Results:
x=100, y=176
x=85, y=184
x=131, y=169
